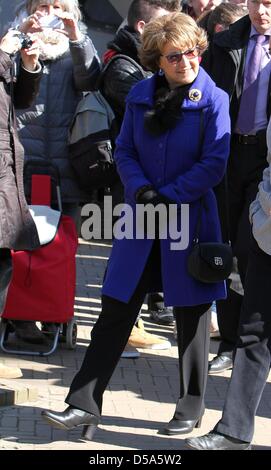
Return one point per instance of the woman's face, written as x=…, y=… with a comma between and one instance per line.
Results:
x=180, y=69
x=50, y=9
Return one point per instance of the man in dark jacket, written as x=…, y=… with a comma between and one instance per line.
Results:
x=121, y=75
x=239, y=62
x=17, y=229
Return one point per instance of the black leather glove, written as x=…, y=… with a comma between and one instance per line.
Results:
x=148, y=195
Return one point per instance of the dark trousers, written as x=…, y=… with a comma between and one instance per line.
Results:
x=193, y=326
x=253, y=352
x=5, y=275
x=110, y=335
x=245, y=168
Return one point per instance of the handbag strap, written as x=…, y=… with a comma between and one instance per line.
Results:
x=202, y=201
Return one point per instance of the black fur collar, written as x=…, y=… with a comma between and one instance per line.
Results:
x=166, y=111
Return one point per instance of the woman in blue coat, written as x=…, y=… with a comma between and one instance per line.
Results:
x=172, y=149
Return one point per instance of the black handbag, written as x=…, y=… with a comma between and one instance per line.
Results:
x=209, y=261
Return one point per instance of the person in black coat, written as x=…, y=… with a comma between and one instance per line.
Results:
x=227, y=62
x=122, y=74
x=220, y=18
x=235, y=429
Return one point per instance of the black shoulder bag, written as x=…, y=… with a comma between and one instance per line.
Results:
x=209, y=261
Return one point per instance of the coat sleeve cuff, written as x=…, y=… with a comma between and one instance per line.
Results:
x=37, y=70
x=78, y=41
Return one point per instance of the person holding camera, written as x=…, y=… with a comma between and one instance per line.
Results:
x=17, y=229
x=71, y=66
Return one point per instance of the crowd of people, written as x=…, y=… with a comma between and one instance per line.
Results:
x=193, y=110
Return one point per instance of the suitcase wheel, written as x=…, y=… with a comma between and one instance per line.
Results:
x=70, y=332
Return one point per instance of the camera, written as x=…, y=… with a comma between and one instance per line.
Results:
x=25, y=41
x=51, y=21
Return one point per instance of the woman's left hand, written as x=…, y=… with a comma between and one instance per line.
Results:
x=30, y=56
x=71, y=28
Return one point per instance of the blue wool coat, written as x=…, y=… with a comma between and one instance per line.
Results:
x=183, y=164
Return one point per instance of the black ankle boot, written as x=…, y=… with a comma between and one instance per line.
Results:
x=72, y=418
x=179, y=426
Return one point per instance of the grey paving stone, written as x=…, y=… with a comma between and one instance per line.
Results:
x=140, y=398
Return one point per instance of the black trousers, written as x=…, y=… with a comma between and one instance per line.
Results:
x=5, y=275
x=110, y=335
x=253, y=352
x=245, y=168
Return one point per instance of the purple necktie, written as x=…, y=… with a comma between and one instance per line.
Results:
x=245, y=121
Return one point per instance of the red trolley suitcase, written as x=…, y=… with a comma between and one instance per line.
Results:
x=43, y=281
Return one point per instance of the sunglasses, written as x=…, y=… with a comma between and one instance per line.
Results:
x=176, y=57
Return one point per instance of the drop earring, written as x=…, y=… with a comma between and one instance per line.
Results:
x=161, y=72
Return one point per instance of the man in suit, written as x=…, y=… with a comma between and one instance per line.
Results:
x=253, y=353
x=239, y=62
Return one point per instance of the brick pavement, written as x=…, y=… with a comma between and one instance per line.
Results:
x=141, y=394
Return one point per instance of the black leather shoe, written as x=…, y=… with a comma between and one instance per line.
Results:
x=72, y=418
x=215, y=441
x=178, y=426
x=219, y=364
x=163, y=315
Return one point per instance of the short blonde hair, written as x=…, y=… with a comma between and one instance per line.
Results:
x=178, y=29
x=72, y=6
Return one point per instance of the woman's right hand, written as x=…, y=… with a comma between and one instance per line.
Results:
x=30, y=56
